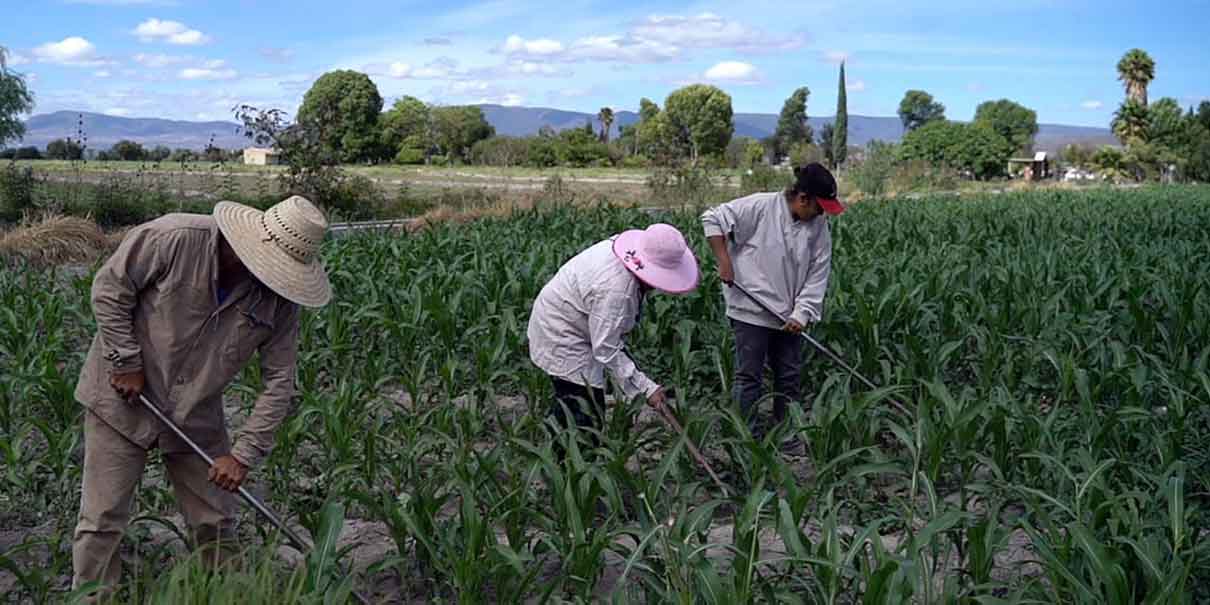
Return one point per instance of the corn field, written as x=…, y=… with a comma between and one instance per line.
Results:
x=1051, y=348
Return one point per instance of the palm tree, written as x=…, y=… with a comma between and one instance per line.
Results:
x=606, y=118
x=1136, y=70
x=1131, y=122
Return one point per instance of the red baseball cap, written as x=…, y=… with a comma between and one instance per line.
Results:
x=817, y=181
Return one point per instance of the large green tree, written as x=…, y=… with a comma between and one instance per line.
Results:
x=918, y=108
x=1166, y=124
x=1131, y=123
x=701, y=117
x=647, y=109
x=457, y=128
x=15, y=100
x=406, y=131
x=347, y=105
x=974, y=148
x=128, y=151
x=792, y=126
x=840, y=130
x=1015, y=122
x=64, y=149
x=1136, y=70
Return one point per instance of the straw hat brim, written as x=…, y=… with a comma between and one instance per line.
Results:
x=680, y=279
x=305, y=284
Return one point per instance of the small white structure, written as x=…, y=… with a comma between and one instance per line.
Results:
x=260, y=156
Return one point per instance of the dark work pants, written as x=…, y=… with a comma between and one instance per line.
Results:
x=586, y=405
x=754, y=346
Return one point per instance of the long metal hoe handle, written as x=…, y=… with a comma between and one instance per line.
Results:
x=693, y=451
x=821, y=348
x=295, y=540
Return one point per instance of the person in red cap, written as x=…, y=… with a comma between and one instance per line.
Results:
x=579, y=320
x=778, y=247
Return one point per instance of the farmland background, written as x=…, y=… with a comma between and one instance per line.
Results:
x=1052, y=347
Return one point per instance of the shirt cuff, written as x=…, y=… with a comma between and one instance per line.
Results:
x=246, y=454
x=124, y=364
x=712, y=230
x=801, y=316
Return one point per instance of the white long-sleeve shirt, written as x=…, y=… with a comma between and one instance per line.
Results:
x=783, y=262
x=580, y=317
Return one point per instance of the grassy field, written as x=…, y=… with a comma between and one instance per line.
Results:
x=1051, y=348
x=384, y=171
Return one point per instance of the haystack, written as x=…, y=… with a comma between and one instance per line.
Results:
x=54, y=240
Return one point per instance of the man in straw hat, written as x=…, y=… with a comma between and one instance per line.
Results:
x=580, y=317
x=180, y=307
x=778, y=247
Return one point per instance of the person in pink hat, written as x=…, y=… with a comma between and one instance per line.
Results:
x=579, y=320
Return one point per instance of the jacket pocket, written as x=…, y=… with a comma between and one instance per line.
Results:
x=245, y=339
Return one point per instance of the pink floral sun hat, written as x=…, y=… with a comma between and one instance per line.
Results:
x=659, y=256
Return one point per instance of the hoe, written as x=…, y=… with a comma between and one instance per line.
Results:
x=252, y=501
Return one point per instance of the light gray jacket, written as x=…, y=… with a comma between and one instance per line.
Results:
x=782, y=261
x=579, y=320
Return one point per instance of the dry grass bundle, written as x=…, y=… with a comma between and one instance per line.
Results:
x=53, y=240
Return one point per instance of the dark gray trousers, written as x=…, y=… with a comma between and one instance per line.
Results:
x=754, y=346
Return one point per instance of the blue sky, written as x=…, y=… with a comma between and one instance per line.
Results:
x=189, y=59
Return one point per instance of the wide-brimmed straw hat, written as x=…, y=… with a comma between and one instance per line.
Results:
x=659, y=257
x=280, y=246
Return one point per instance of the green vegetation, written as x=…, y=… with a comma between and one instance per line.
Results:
x=1016, y=123
x=346, y=103
x=1052, y=348
x=840, y=127
x=918, y=109
x=15, y=100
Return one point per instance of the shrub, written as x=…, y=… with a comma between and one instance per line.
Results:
x=120, y=200
x=873, y=174
x=17, y=191
x=409, y=155
x=27, y=153
x=684, y=185
x=763, y=178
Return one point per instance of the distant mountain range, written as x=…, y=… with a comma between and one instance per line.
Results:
x=105, y=130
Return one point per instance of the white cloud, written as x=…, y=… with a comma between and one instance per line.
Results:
x=541, y=47
x=172, y=32
x=655, y=39
x=158, y=60
x=437, y=41
x=104, y=73
x=733, y=72
x=399, y=70
x=1092, y=105
x=215, y=69
x=16, y=59
x=975, y=87
x=855, y=86
x=117, y=111
x=835, y=57
x=708, y=30
x=73, y=50
x=622, y=49
x=478, y=91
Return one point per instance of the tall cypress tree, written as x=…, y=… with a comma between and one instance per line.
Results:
x=840, y=131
